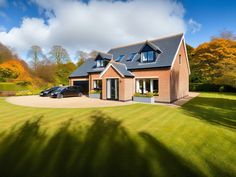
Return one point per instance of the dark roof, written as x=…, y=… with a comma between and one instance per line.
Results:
x=152, y=45
x=168, y=47
x=122, y=69
x=105, y=55
x=82, y=70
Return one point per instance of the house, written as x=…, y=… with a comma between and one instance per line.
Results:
x=159, y=65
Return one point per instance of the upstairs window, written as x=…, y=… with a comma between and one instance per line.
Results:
x=120, y=57
x=148, y=56
x=180, y=59
x=131, y=57
x=100, y=63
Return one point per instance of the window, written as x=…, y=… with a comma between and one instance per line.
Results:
x=97, y=84
x=147, y=85
x=120, y=57
x=147, y=56
x=100, y=63
x=180, y=59
x=131, y=56
x=155, y=86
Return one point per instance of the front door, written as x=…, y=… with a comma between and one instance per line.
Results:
x=112, y=89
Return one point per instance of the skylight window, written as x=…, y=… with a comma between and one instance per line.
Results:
x=120, y=57
x=131, y=56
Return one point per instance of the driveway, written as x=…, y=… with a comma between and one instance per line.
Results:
x=72, y=102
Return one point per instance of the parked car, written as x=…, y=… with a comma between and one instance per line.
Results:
x=70, y=91
x=48, y=91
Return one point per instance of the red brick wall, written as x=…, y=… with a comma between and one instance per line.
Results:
x=179, y=77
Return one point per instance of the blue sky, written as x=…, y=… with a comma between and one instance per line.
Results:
x=199, y=19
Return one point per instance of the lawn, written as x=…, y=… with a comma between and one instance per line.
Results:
x=140, y=140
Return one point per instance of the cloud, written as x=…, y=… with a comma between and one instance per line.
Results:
x=194, y=26
x=3, y=3
x=97, y=25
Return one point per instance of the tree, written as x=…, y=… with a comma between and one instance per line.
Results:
x=46, y=71
x=36, y=54
x=215, y=61
x=59, y=55
x=6, y=53
x=225, y=34
x=63, y=71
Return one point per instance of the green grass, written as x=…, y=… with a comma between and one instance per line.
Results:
x=8, y=86
x=198, y=139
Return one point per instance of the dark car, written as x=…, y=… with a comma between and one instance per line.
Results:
x=70, y=91
x=48, y=92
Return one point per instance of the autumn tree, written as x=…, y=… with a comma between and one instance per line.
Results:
x=46, y=71
x=59, y=55
x=215, y=62
x=6, y=53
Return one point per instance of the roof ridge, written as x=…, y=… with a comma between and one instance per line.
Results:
x=165, y=37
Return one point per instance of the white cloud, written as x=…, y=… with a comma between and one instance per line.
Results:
x=97, y=25
x=194, y=26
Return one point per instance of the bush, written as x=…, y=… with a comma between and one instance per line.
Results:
x=210, y=87
x=8, y=86
x=23, y=83
x=149, y=95
x=95, y=92
x=24, y=93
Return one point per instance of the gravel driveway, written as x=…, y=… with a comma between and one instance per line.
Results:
x=72, y=102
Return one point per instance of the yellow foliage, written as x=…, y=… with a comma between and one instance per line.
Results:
x=18, y=67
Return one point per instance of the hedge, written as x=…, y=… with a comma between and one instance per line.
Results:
x=211, y=87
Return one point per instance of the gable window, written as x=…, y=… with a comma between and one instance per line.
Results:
x=147, y=56
x=131, y=57
x=120, y=57
x=100, y=63
x=180, y=59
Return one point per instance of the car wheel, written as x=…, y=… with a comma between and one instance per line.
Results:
x=80, y=95
x=59, y=96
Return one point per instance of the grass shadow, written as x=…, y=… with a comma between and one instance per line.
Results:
x=217, y=111
x=104, y=149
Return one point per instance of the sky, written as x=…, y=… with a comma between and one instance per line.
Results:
x=88, y=25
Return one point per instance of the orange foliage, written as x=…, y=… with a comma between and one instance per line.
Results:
x=20, y=68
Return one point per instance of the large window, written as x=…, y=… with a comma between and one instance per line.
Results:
x=147, y=85
x=97, y=84
x=100, y=63
x=147, y=56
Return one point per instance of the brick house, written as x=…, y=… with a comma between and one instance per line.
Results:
x=159, y=65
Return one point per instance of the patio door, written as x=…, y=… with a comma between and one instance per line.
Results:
x=112, y=89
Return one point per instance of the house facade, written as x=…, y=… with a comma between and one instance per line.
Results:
x=157, y=66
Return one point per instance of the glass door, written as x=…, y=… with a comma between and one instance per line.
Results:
x=112, y=89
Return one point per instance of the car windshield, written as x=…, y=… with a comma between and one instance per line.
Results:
x=59, y=89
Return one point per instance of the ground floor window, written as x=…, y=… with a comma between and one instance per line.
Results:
x=97, y=84
x=147, y=85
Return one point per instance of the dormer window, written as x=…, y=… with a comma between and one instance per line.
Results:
x=148, y=56
x=131, y=56
x=100, y=63
x=120, y=57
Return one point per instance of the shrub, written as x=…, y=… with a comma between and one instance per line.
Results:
x=205, y=87
x=95, y=92
x=24, y=93
x=23, y=83
x=149, y=95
